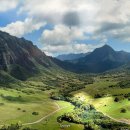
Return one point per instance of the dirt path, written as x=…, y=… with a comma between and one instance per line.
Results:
x=50, y=114
x=60, y=108
x=125, y=121
x=41, y=119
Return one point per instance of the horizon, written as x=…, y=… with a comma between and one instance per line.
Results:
x=81, y=26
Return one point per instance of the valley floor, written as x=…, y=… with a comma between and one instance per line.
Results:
x=20, y=110
x=33, y=108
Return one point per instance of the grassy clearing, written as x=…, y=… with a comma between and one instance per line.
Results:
x=9, y=112
x=51, y=122
x=13, y=110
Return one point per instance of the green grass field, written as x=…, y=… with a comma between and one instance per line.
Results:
x=14, y=109
x=106, y=104
x=18, y=104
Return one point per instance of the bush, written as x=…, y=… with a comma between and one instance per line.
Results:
x=35, y=113
x=18, y=108
x=116, y=99
x=123, y=110
x=97, y=96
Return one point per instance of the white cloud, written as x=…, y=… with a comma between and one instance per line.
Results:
x=63, y=39
x=89, y=14
x=71, y=48
x=8, y=4
x=89, y=11
x=72, y=21
x=54, y=11
x=61, y=35
x=20, y=28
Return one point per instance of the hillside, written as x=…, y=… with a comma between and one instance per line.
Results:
x=20, y=57
x=100, y=60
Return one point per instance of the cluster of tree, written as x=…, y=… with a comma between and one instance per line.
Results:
x=71, y=87
x=90, y=125
x=65, y=91
x=122, y=84
x=84, y=113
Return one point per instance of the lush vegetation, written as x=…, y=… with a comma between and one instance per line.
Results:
x=76, y=101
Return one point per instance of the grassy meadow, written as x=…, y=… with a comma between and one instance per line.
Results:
x=37, y=102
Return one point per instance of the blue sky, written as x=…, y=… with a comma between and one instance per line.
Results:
x=63, y=26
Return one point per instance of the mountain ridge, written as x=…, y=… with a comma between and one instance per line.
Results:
x=20, y=56
x=21, y=59
x=101, y=59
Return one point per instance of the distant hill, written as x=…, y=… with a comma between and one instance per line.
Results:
x=100, y=60
x=69, y=57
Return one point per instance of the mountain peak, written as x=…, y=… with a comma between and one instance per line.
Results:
x=106, y=46
x=106, y=49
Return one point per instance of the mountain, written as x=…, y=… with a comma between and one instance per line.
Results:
x=19, y=57
x=100, y=60
x=69, y=57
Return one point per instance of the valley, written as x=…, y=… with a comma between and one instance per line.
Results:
x=39, y=92
x=17, y=105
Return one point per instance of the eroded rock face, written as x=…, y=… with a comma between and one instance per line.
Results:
x=18, y=51
x=6, y=58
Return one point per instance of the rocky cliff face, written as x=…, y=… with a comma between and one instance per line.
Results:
x=19, y=53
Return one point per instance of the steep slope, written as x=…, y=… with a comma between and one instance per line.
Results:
x=20, y=57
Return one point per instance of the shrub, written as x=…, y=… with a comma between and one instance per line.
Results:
x=35, y=113
x=18, y=108
x=116, y=99
x=123, y=110
x=97, y=96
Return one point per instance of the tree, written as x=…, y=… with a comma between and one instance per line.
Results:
x=116, y=99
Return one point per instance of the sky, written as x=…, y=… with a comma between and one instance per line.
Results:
x=66, y=26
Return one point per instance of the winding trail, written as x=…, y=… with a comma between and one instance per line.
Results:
x=50, y=114
x=44, y=117
x=125, y=121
